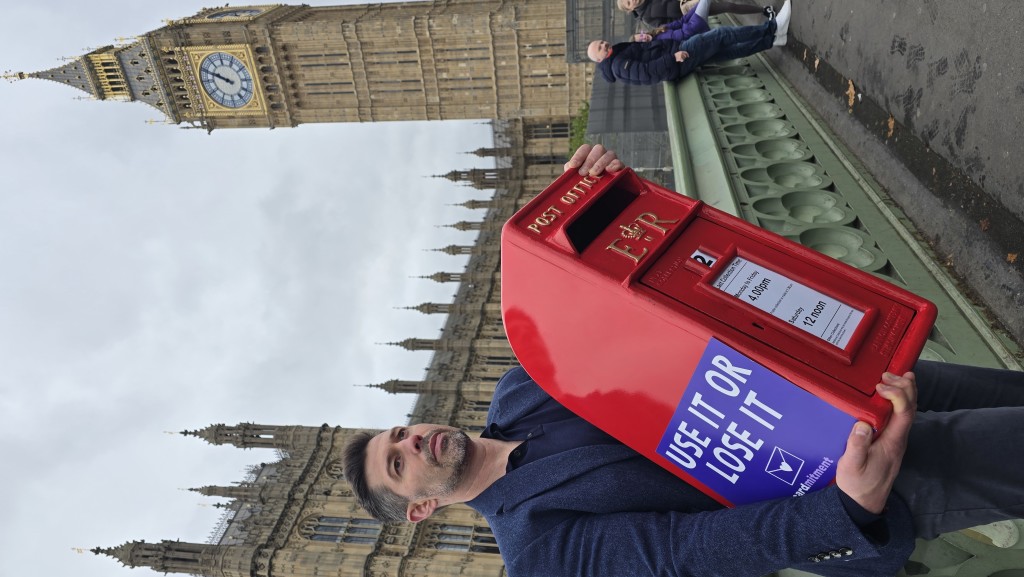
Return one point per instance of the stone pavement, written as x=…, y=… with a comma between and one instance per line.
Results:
x=929, y=95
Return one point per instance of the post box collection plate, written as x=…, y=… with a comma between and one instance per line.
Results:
x=729, y=355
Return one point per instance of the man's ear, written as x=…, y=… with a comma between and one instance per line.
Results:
x=420, y=510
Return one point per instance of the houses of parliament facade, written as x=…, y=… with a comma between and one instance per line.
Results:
x=277, y=66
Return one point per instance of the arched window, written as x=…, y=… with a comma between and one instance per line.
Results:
x=539, y=159
x=470, y=539
x=547, y=130
x=477, y=406
x=341, y=529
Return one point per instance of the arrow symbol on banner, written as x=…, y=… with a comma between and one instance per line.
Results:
x=784, y=466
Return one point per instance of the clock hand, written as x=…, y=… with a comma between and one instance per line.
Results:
x=228, y=80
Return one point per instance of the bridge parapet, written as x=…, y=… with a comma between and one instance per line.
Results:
x=743, y=142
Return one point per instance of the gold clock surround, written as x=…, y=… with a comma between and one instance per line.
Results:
x=195, y=55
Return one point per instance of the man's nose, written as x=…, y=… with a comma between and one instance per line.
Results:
x=413, y=443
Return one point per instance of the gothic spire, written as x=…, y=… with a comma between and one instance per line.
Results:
x=441, y=277
x=75, y=73
x=413, y=344
x=243, y=491
x=465, y=225
x=167, y=556
x=433, y=308
x=122, y=552
x=243, y=435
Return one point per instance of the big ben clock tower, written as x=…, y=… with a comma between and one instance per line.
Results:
x=277, y=65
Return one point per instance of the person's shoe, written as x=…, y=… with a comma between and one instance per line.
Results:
x=1002, y=534
x=782, y=24
x=769, y=12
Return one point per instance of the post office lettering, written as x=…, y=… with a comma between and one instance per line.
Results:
x=581, y=189
x=547, y=217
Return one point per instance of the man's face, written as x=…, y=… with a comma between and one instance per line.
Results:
x=419, y=461
x=631, y=5
x=598, y=50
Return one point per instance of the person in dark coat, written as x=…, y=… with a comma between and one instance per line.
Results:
x=564, y=498
x=653, y=13
x=661, y=61
x=692, y=23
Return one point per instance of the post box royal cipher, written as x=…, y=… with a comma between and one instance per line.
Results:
x=729, y=355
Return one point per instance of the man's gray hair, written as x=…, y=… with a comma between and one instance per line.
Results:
x=381, y=503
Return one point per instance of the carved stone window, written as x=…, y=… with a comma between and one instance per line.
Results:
x=340, y=529
x=471, y=539
x=536, y=159
x=547, y=130
x=476, y=405
x=335, y=469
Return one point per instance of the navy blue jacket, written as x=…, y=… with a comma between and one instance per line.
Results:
x=641, y=62
x=605, y=510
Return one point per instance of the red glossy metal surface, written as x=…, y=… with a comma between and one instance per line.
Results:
x=606, y=308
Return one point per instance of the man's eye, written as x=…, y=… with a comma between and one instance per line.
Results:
x=398, y=465
x=401, y=433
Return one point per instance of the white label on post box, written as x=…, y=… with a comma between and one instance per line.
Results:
x=799, y=305
x=704, y=258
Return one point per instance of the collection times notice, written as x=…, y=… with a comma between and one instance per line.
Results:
x=801, y=306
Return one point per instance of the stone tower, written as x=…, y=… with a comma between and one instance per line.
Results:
x=275, y=65
x=294, y=515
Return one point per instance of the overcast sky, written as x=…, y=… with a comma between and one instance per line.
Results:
x=158, y=279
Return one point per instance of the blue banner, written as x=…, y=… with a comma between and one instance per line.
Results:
x=750, y=435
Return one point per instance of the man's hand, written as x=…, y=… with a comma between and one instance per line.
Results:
x=593, y=160
x=682, y=55
x=868, y=469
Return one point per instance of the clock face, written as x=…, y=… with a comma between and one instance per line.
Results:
x=240, y=13
x=226, y=79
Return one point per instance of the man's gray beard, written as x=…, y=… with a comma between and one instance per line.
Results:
x=458, y=442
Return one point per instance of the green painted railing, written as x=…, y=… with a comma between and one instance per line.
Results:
x=744, y=143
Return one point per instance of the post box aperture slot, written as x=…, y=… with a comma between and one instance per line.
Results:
x=799, y=305
x=597, y=217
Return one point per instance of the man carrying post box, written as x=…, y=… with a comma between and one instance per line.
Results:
x=565, y=498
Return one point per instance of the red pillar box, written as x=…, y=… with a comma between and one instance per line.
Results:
x=731, y=356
